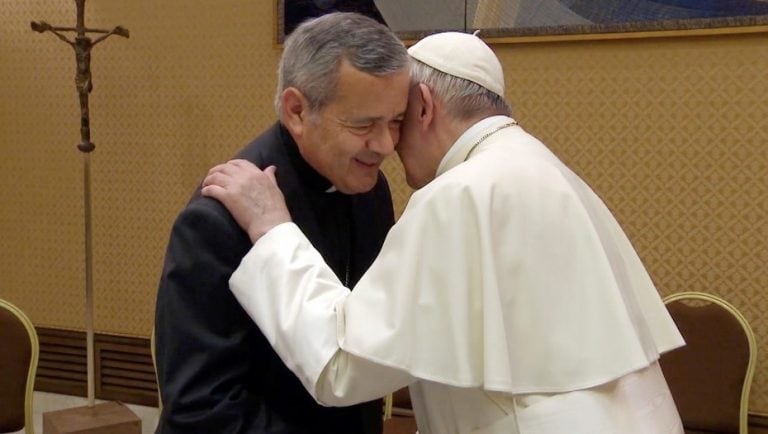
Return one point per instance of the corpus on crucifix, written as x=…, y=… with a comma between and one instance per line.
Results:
x=82, y=44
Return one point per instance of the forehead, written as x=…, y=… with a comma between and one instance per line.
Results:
x=363, y=95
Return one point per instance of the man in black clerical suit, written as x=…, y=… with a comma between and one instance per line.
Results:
x=342, y=92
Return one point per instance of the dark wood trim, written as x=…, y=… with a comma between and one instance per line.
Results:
x=62, y=364
x=123, y=366
x=124, y=369
x=758, y=420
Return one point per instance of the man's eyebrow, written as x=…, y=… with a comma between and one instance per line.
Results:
x=370, y=119
x=361, y=120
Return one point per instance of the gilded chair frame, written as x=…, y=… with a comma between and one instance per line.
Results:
x=152, y=350
x=388, y=406
x=702, y=296
x=29, y=427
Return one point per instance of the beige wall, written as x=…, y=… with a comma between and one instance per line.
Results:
x=190, y=86
x=671, y=132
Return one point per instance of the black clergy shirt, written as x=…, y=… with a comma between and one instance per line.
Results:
x=217, y=372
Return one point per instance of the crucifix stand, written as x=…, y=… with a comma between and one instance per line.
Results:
x=109, y=417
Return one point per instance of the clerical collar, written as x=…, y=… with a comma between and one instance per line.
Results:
x=308, y=175
x=472, y=137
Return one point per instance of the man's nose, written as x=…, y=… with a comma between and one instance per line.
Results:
x=384, y=140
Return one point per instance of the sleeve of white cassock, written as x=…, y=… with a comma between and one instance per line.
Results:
x=293, y=296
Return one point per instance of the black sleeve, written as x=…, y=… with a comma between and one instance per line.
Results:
x=207, y=357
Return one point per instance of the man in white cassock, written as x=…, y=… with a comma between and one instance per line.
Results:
x=507, y=297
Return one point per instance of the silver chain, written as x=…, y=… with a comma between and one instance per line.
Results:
x=489, y=134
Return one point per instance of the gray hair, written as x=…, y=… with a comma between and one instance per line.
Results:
x=463, y=99
x=313, y=52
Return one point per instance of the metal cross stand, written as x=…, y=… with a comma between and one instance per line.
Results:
x=82, y=44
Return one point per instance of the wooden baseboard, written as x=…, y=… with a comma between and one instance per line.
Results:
x=758, y=420
x=123, y=369
x=123, y=366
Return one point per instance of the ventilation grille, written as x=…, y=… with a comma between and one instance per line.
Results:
x=125, y=371
x=123, y=366
x=62, y=365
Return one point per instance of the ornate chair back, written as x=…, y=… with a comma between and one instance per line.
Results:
x=710, y=377
x=18, y=366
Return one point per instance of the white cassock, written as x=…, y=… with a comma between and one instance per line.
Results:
x=506, y=296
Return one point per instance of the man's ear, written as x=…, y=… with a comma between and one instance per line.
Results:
x=427, y=114
x=294, y=110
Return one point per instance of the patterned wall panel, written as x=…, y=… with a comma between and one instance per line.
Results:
x=670, y=132
x=190, y=86
x=41, y=194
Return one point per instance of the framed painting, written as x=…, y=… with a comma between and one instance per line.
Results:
x=543, y=19
x=290, y=13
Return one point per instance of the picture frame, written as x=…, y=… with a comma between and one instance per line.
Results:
x=290, y=13
x=542, y=20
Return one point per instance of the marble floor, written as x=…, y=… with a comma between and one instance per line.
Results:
x=44, y=402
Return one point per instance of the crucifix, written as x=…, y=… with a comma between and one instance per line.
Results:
x=82, y=45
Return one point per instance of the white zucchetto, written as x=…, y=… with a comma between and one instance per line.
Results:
x=462, y=55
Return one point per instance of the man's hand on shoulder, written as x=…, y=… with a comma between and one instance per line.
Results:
x=250, y=194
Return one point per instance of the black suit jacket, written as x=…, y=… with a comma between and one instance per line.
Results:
x=217, y=372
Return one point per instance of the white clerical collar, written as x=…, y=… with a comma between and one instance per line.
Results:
x=459, y=151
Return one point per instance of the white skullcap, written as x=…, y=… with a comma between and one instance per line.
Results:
x=461, y=55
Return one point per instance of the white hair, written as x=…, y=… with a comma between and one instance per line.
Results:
x=463, y=99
